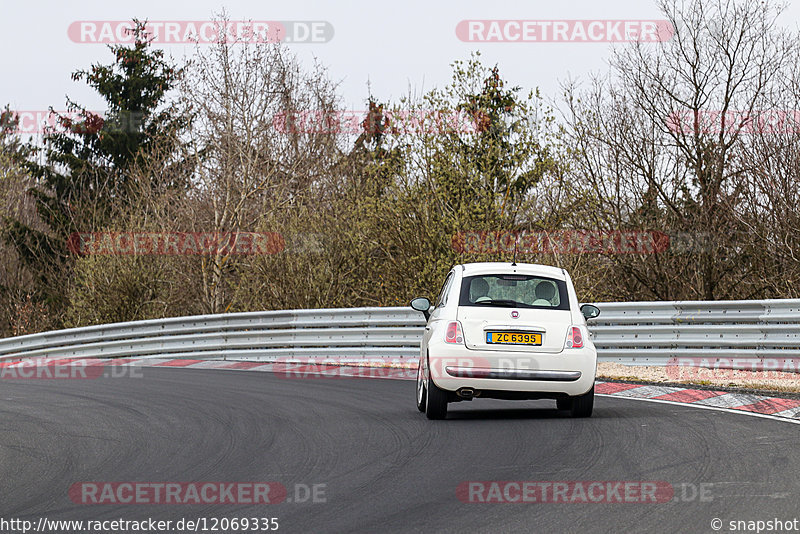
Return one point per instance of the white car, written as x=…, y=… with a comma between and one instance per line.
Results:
x=506, y=331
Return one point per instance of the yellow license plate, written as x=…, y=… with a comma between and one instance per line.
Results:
x=514, y=338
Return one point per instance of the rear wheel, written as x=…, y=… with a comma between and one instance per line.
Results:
x=436, y=401
x=582, y=406
x=564, y=403
x=420, y=390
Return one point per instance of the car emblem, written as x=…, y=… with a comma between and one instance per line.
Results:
x=514, y=314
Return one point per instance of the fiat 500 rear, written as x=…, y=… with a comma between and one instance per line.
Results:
x=506, y=331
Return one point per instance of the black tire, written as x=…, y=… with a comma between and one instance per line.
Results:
x=582, y=406
x=436, y=401
x=564, y=403
x=420, y=390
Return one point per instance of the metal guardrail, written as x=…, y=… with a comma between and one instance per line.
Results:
x=737, y=333
x=348, y=332
x=730, y=334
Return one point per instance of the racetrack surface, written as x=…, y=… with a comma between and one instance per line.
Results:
x=385, y=467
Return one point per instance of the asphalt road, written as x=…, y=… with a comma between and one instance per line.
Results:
x=384, y=466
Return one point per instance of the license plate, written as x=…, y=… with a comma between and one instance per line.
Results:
x=514, y=338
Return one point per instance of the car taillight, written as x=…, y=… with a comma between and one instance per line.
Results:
x=574, y=338
x=454, y=334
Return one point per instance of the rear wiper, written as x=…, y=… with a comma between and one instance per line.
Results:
x=507, y=303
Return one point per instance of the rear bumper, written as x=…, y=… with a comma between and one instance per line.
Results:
x=570, y=372
x=544, y=375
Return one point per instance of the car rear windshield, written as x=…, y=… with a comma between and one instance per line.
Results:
x=514, y=291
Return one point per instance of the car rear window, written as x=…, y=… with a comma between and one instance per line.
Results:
x=514, y=291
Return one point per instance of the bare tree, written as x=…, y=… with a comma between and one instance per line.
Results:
x=658, y=144
x=770, y=212
x=22, y=310
x=250, y=162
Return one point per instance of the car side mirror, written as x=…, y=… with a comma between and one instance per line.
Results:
x=590, y=311
x=421, y=304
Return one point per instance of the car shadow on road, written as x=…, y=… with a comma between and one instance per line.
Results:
x=506, y=413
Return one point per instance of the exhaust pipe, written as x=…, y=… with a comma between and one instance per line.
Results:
x=466, y=393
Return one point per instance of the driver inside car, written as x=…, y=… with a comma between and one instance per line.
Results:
x=479, y=290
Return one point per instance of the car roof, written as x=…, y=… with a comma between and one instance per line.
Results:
x=471, y=269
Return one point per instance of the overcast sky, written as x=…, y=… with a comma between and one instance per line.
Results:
x=393, y=46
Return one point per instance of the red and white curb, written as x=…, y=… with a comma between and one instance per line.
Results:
x=287, y=369
x=763, y=406
x=706, y=398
